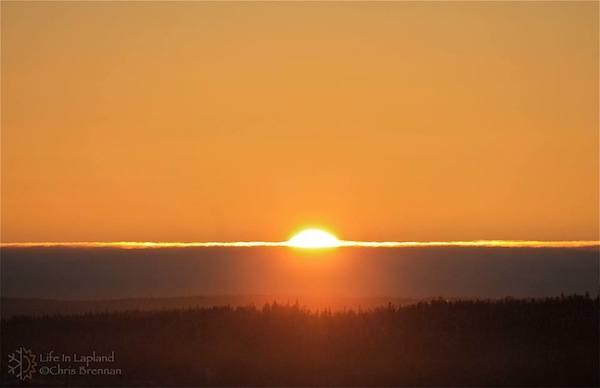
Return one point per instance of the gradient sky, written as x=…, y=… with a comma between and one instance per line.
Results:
x=245, y=121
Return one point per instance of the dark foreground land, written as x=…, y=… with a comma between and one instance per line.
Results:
x=543, y=342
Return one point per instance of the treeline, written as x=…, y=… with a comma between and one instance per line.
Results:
x=510, y=342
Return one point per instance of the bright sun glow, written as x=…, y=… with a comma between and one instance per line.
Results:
x=314, y=238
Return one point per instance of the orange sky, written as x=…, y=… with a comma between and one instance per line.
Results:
x=245, y=121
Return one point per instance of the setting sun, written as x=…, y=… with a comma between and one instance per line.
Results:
x=314, y=238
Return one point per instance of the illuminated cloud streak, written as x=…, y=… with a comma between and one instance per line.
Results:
x=342, y=243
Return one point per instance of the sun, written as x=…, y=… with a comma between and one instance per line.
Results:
x=314, y=238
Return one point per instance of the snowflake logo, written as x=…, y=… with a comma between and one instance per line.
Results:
x=21, y=363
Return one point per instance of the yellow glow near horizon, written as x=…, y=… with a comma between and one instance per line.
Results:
x=314, y=238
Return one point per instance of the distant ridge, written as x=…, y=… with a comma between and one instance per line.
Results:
x=10, y=307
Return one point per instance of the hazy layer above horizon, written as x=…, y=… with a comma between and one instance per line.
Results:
x=409, y=272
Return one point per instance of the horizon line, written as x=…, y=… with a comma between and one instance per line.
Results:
x=341, y=244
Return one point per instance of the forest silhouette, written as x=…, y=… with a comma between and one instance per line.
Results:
x=507, y=342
